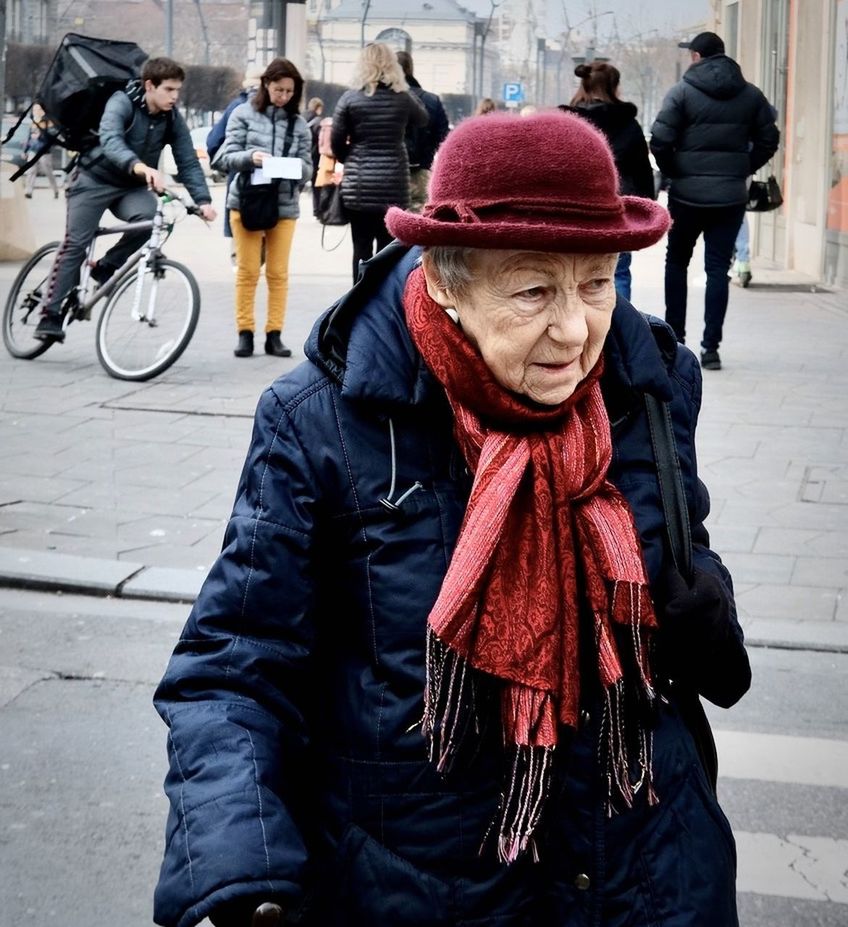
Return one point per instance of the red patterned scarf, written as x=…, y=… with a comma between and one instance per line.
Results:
x=545, y=538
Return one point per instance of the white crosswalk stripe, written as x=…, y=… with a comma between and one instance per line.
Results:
x=799, y=866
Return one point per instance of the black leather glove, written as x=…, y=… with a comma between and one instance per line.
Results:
x=700, y=642
x=249, y=911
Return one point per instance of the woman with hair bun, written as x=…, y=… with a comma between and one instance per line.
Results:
x=597, y=100
x=369, y=127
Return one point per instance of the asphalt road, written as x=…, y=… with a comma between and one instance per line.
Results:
x=82, y=758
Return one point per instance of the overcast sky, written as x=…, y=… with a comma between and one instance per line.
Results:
x=631, y=16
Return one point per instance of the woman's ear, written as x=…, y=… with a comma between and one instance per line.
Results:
x=437, y=292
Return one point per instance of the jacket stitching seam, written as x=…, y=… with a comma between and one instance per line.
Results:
x=183, y=811
x=260, y=806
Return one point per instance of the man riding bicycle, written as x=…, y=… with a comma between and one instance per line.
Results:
x=117, y=175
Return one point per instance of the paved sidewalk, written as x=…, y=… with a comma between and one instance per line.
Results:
x=115, y=488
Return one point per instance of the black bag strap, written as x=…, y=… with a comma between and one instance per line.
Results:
x=679, y=531
x=671, y=485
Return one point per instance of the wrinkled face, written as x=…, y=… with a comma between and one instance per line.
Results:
x=280, y=91
x=163, y=98
x=538, y=320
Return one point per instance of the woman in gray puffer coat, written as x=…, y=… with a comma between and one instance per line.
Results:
x=266, y=126
x=369, y=127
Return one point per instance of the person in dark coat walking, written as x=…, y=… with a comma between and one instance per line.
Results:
x=369, y=125
x=422, y=142
x=713, y=131
x=427, y=682
x=597, y=100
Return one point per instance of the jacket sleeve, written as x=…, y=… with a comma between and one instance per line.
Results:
x=234, y=155
x=114, y=123
x=340, y=131
x=665, y=132
x=439, y=125
x=418, y=115
x=302, y=145
x=765, y=136
x=235, y=694
x=185, y=156
x=640, y=164
x=716, y=650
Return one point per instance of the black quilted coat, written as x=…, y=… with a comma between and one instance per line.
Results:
x=368, y=138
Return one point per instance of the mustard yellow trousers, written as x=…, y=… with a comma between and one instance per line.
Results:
x=278, y=242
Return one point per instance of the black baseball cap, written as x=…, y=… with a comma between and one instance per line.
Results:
x=706, y=44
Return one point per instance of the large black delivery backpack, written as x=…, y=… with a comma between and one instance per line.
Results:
x=83, y=74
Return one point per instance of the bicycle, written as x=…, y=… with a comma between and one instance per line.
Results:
x=151, y=310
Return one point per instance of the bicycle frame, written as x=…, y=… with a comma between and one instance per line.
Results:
x=146, y=256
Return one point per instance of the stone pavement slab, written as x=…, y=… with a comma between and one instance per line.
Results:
x=142, y=475
x=36, y=569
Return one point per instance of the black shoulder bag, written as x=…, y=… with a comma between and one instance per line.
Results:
x=259, y=203
x=679, y=535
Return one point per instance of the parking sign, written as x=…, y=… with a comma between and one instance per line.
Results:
x=513, y=92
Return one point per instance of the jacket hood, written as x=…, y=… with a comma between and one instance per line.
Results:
x=718, y=76
x=608, y=117
x=362, y=341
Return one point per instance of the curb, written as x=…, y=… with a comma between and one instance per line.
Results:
x=54, y=572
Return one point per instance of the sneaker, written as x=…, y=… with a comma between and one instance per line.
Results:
x=710, y=360
x=101, y=272
x=274, y=346
x=50, y=328
x=244, y=348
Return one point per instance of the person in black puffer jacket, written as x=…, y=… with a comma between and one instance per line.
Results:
x=597, y=100
x=369, y=127
x=714, y=130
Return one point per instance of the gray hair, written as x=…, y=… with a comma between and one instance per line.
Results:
x=452, y=265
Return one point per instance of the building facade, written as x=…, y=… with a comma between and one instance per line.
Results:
x=796, y=51
x=452, y=52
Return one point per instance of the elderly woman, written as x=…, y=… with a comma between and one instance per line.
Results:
x=427, y=682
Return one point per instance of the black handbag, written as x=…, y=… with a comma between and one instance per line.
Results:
x=679, y=533
x=764, y=195
x=259, y=203
x=331, y=210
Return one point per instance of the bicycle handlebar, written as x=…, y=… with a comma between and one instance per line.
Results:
x=169, y=195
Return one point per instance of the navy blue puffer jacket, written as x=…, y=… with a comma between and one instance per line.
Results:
x=297, y=768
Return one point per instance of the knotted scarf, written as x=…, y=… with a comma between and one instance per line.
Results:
x=545, y=538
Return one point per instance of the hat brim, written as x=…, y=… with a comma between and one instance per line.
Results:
x=642, y=223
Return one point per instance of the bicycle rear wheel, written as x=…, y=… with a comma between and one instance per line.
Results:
x=148, y=321
x=23, y=305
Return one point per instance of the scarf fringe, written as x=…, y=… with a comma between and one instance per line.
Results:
x=450, y=703
x=522, y=804
x=625, y=772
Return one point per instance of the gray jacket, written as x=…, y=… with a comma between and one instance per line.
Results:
x=249, y=130
x=714, y=130
x=129, y=133
x=369, y=139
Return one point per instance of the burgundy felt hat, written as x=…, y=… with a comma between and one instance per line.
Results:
x=545, y=182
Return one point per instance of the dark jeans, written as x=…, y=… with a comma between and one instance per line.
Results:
x=718, y=225
x=88, y=199
x=365, y=229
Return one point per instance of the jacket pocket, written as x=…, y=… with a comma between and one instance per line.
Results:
x=378, y=887
x=689, y=858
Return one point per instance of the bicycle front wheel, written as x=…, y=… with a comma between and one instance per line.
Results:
x=148, y=321
x=23, y=305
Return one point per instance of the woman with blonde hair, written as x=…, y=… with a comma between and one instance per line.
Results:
x=369, y=126
x=485, y=106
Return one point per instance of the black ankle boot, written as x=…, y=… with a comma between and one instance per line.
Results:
x=244, y=348
x=274, y=346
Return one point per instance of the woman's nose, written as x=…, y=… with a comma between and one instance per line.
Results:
x=567, y=323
